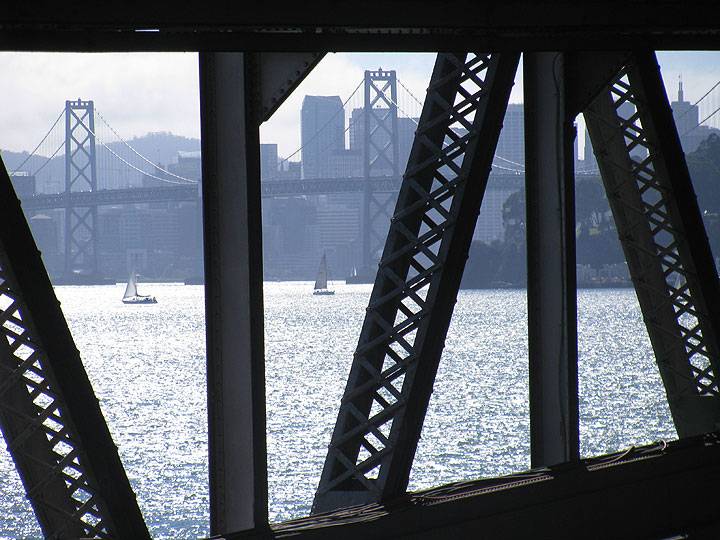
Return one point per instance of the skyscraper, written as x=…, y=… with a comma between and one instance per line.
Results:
x=268, y=161
x=322, y=134
x=687, y=121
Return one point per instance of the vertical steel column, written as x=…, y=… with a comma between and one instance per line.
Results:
x=380, y=158
x=233, y=292
x=662, y=234
x=552, y=332
x=80, y=175
x=49, y=415
x=402, y=338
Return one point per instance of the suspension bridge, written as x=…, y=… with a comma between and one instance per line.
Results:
x=88, y=164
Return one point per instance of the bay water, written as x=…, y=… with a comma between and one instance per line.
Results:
x=147, y=366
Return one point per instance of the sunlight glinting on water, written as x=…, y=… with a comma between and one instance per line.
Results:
x=147, y=366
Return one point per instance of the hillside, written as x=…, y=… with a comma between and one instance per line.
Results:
x=158, y=147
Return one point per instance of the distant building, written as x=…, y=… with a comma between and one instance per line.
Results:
x=160, y=242
x=406, y=136
x=290, y=170
x=322, y=133
x=24, y=184
x=490, y=226
x=511, y=144
x=687, y=121
x=45, y=229
x=589, y=162
x=268, y=161
x=189, y=165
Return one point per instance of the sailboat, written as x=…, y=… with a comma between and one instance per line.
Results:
x=131, y=295
x=321, y=281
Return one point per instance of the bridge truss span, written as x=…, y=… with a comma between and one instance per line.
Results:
x=402, y=337
x=663, y=237
x=49, y=415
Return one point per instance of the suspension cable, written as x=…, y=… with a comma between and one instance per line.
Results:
x=706, y=94
x=390, y=99
x=138, y=153
x=97, y=139
x=48, y=160
x=31, y=154
x=326, y=124
x=409, y=92
x=701, y=121
x=509, y=161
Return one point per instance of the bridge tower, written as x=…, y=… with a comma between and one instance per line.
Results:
x=80, y=175
x=380, y=158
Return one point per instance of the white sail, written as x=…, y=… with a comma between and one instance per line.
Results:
x=321, y=281
x=131, y=289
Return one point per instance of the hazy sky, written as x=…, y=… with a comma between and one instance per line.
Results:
x=143, y=92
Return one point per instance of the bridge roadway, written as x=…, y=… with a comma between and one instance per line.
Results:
x=191, y=192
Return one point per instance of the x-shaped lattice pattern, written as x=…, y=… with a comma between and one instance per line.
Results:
x=657, y=207
x=81, y=234
x=80, y=222
x=381, y=154
x=79, y=149
x=23, y=371
x=405, y=294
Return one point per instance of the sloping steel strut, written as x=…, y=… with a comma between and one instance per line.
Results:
x=662, y=234
x=402, y=338
x=49, y=415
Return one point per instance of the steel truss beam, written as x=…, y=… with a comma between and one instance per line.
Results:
x=539, y=25
x=402, y=338
x=663, y=237
x=49, y=415
x=80, y=175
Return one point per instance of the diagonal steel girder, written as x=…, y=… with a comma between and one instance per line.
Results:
x=402, y=338
x=662, y=234
x=49, y=415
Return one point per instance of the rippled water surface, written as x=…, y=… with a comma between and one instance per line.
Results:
x=147, y=366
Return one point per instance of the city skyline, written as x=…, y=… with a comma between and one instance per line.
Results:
x=150, y=92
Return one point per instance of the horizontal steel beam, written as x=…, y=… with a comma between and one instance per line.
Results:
x=362, y=25
x=658, y=491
